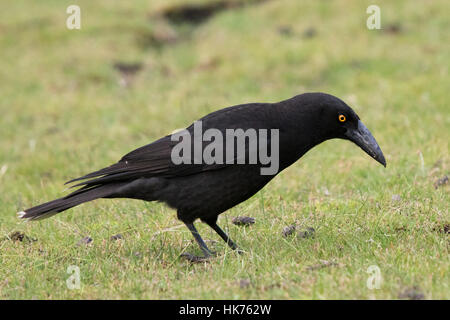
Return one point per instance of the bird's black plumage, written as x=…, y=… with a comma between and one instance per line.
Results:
x=203, y=191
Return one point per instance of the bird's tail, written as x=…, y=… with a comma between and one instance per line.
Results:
x=85, y=194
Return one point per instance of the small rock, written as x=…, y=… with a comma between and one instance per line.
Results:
x=413, y=293
x=441, y=182
x=396, y=197
x=85, y=241
x=243, y=221
x=117, y=237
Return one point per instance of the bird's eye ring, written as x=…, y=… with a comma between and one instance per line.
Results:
x=342, y=118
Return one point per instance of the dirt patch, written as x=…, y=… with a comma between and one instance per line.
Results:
x=127, y=72
x=322, y=264
x=171, y=21
x=128, y=68
x=413, y=293
x=160, y=36
x=393, y=28
x=244, y=283
x=199, y=13
x=195, y=13
x=209, y=64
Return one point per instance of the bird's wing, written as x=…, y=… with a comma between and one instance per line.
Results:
x=155, y=159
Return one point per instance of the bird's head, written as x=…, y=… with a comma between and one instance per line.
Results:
x=337, y=120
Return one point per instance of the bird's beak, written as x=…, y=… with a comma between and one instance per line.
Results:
x=365, y=140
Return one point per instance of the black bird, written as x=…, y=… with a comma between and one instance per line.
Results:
x=203, y=191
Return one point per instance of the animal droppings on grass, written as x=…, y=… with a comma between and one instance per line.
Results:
x=443, y=229
x=17, y=236
x=400, y=229
x=396, y=197
x=322, y=264
x=243, y=221
x=117, y=237
x=413, y=293
x=441, y=182
x=289, y=230
x=303, y=234
x=309, y=33
x=393, y=28
x=20, y=236
x=447, y=228
x=193, y=259
x=308, y=233
x=128, y=68
x=85, y=241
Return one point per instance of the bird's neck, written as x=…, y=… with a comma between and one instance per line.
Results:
x=301, y=134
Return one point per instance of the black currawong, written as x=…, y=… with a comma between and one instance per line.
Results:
x=203, y=191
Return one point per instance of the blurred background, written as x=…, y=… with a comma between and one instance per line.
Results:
x=73, y=101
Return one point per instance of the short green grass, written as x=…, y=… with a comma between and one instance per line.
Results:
x=64, y=113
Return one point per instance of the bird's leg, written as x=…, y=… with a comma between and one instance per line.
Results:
x=224, y=236
x=200, y=242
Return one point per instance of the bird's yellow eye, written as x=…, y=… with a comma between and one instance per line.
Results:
x=342, y=118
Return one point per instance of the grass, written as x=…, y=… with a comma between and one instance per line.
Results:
x=66, y=111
